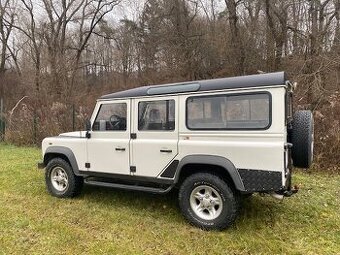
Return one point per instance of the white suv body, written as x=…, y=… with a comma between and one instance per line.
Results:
x=153, y=138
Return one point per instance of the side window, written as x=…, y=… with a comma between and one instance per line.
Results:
x=111, y=117
x=249, y=111
x=156, y=115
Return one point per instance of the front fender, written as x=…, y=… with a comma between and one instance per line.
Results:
x=61, y=150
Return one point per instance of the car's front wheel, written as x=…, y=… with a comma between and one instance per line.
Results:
x=208, y=202
x=60, y=179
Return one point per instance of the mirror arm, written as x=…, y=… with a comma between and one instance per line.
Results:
x=88, y=134
x=88, y=129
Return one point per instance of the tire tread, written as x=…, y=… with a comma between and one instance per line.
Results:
x=302, y=139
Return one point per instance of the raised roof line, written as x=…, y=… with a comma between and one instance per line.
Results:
x=257, y=80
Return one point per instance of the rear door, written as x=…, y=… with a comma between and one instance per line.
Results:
x=154, y=141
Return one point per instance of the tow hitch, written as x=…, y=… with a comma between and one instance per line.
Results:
x=285, y=193
x=292, y=191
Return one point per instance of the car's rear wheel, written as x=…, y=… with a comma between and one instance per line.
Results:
x=60, y=179
x=208, y=202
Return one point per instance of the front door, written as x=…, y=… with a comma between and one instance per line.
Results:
x=155, y=125
x=108, y=147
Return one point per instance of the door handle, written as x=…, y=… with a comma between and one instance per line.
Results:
x=120, y=149
x=167, y=151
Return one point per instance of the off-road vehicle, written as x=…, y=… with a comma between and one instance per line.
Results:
x=215, y=140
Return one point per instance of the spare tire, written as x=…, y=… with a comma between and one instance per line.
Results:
x=302, y=138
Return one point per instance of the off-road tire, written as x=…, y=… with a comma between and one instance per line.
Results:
x=75, y=183
x=231, y=201
x=302, y=136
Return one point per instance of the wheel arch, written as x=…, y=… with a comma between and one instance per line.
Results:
x=64, y=153
x=216, y=164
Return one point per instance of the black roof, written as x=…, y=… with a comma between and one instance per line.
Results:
x=257, y=80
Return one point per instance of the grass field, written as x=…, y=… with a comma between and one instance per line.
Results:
x=107, y=221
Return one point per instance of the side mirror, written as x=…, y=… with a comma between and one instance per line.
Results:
x=88, y=128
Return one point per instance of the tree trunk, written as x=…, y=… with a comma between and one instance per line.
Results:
x=238, y=55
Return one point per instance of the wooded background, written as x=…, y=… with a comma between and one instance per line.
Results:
x=58, y=56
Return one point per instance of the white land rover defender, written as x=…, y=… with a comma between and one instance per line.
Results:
x=215, y=140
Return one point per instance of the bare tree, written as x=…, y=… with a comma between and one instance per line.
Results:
x=238, y=55
x=6, y=26
x=65, y=53
x=31, y=31
x=277, y=16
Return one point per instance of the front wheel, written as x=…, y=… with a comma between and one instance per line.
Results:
x=60, y=179
x=207, y=202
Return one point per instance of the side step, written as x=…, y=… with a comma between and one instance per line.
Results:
x=128, y=187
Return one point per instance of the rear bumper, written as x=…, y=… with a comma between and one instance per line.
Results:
x=41, y=165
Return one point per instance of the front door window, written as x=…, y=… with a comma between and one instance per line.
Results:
x=111, y=117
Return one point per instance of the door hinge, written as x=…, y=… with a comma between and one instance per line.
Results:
x=133, y=135
x=87, y=165
x=132, y=169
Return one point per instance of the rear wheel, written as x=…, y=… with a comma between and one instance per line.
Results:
x=207, y=201
x=60, y=179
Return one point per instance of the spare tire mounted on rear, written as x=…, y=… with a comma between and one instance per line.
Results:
x=302, y=138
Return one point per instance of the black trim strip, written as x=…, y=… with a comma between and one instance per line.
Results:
x=170, y=171
x=134, y=178
x=129, y=187
x=223, y=162
x=53, y=151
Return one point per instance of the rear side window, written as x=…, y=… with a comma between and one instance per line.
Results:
x=234, y=112
x=111, y=117
x=156, y=115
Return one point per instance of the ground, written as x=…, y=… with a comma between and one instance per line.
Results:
x=108, y=221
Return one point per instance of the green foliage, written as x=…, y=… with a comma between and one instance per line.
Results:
x=107, y=221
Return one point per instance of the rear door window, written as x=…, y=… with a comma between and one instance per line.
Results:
x=156, y=115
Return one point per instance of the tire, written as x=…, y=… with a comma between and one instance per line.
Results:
x=247, y=196
x=192, y=194
x=60, y=180
x=302, y=138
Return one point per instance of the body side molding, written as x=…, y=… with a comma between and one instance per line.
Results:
x=212, y=160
